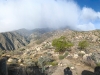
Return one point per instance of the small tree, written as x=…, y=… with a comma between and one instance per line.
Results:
x=83, y=44
x=61, y=45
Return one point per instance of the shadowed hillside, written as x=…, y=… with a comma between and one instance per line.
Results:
x=11, y=41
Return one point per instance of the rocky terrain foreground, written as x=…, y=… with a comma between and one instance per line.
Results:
x=76, y=68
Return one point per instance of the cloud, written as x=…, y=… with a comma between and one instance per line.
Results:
x=30, y=14
x=86, y=27
x=88, y=14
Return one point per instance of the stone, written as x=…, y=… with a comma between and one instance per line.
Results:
x=50, y=65
x=82, y=52
x=21, y=64
x=87, y=59
x=72, y=68
x=12, y=60
x=75, y=56
x=20, y=60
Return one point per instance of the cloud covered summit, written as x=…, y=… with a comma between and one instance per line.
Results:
x=30, y=14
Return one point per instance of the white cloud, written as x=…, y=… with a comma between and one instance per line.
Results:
x=88, y=14
x=30, y=14
x=86, y=27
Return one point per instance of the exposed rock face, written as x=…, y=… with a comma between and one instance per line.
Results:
x=11, y=41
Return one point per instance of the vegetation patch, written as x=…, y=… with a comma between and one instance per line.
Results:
x=61, y=44
x=83, y=44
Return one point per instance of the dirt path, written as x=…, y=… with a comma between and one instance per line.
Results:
x=78, y=67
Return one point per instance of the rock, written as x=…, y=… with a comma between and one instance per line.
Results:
x=61, y=64
x=75, y=56
x=69, y=56
x=90, y=54
x=21, y=64
x=82, y=52
x=12, y=60
x=72, y=68
x=58, y=64
x=87, y=59
x=34, y=55
x=50, y=65
x=20, y=60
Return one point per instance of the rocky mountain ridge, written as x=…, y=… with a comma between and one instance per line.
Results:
x=18, y=38
x=12, y=41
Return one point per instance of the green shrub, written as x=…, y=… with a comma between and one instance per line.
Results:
x=61, y=44
x=61, y=57
x=83, y=44
x=80, y=54
x=98, y=64
x=22, y=49
x=42, y=61
x=66, y=54
x=54, y=63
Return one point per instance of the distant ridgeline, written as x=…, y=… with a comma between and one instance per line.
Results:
x=18, y=38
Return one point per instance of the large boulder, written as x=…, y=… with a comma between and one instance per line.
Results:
x=96, y=57
x=87, y=59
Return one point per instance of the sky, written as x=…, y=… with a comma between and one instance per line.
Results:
x=30, y=14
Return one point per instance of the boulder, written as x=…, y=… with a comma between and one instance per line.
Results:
x=75, y=56
x=72, y=68
x=20, y=60
x=87, y=59
x=82, y=52
x=12, y=60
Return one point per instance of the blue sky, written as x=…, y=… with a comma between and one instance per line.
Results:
x=77, y=14
x=94, y=4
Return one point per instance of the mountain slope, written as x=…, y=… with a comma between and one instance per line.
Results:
x=24, y=32
x=38, y=31
x=11, y=41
